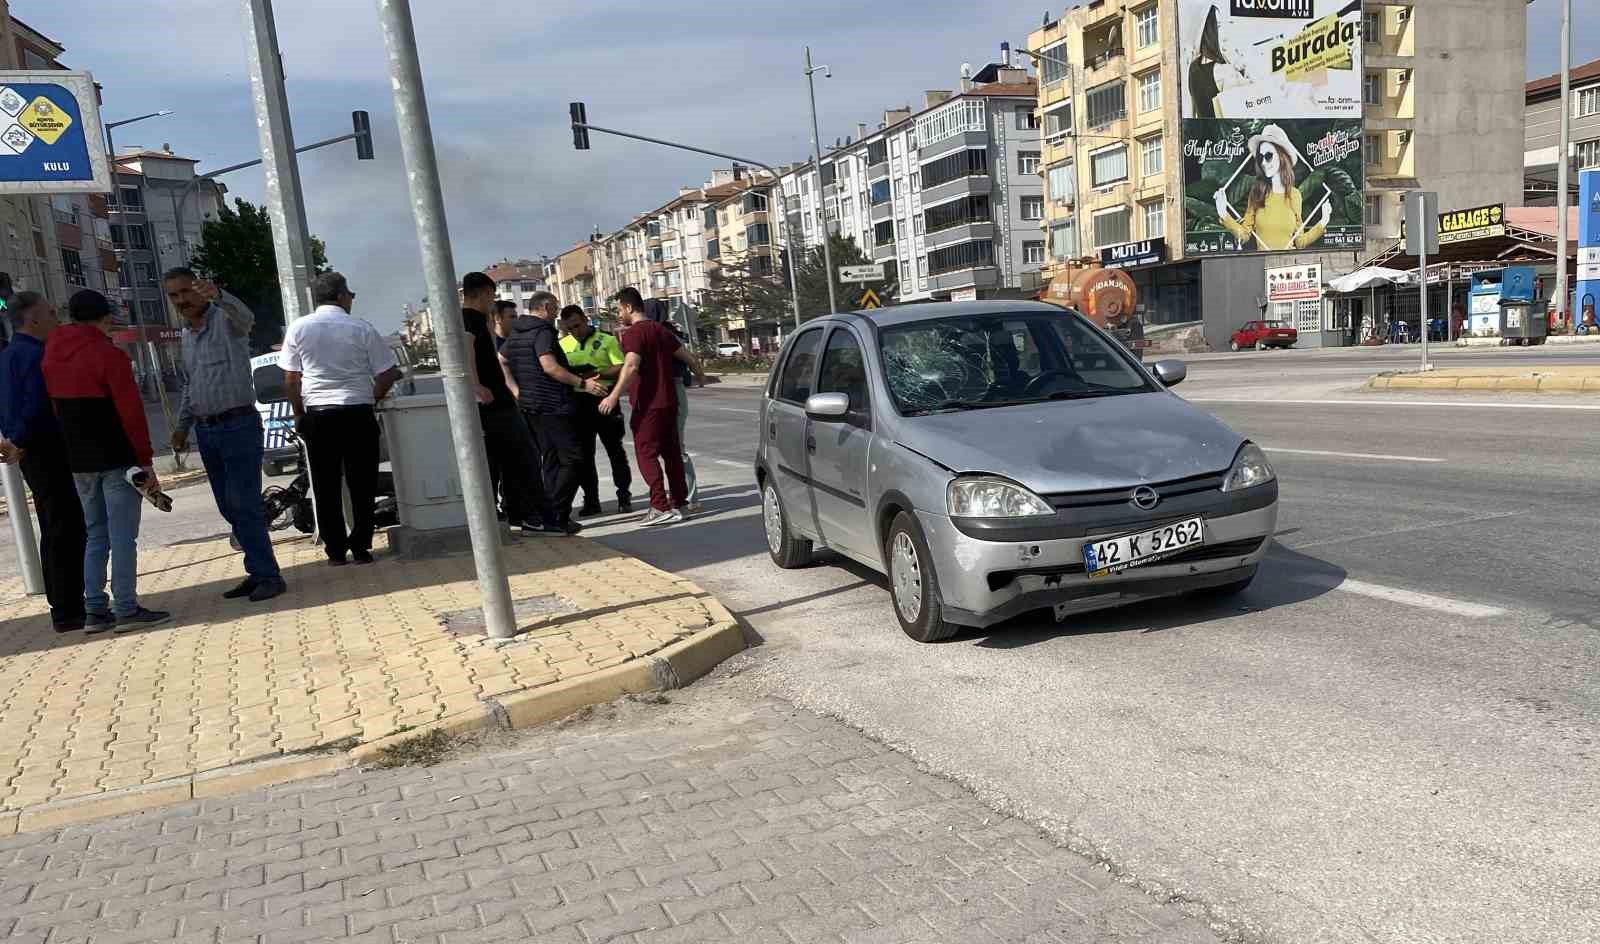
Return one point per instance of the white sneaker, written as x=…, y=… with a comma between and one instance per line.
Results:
x=651, y=518
x=663, y=518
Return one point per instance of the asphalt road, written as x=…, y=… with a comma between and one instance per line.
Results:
x=1390, y=737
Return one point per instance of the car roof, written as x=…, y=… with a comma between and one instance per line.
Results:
x=930, y=311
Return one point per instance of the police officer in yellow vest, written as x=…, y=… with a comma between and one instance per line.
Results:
x=595, y=353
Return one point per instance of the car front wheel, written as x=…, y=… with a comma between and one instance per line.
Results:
x=913, y=584
x=787, y=550
x=1234, y=345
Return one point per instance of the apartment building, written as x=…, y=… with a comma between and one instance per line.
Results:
x=948, y=196
x=516, y=281
x=574, y=281
x=31, y=227
x=1543, y=129
x=156, y=220
x=1436, y=113
x=741, y=219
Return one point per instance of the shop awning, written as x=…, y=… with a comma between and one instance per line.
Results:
x=1368, y=277
x=1530, y=236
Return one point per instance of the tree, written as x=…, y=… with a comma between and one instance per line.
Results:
x=813, y=277
x=745, y=287
x=236, y=252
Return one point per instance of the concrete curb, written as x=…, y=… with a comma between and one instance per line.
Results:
x=675, y=666
x=1533, y=383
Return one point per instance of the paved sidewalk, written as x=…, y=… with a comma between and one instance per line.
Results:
x=348, y=655
x=719, y=818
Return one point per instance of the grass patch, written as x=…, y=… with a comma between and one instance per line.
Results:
x=425, y=750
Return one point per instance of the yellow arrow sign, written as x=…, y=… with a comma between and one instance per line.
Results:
x=869, y=300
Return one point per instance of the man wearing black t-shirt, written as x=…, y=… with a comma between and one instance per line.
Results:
x=505, y=434
x=547, y=392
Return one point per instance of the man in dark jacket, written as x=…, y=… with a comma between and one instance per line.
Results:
x=547, y=392
x=102, y=419
x=33, y=439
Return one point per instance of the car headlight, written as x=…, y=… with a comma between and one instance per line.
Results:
x=1250, y=468
x=993, y=498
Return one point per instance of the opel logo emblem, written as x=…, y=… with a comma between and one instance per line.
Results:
x=1145, y=498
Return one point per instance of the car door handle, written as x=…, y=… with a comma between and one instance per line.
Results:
x=772, y=430
x=811, y=444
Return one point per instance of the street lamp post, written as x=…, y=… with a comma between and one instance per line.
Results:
x=580, y=140
x=1562, y=312
x=816, y=153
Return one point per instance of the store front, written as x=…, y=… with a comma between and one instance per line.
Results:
x=1169, y=292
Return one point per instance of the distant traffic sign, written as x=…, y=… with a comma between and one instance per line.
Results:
x=50, y=134
x=869, y=300
x=861, y=273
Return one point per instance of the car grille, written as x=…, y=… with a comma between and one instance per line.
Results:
x=1003, y=578
x=1211, y=481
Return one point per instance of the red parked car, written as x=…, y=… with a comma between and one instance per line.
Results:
x=1264, y=334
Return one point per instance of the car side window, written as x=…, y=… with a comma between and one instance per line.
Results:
x=844, y=370
x=798, y=369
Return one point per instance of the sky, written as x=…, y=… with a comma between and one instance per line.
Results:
x=499, y=75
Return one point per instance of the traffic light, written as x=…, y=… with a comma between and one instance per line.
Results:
x=363, y=129
x=580, y=130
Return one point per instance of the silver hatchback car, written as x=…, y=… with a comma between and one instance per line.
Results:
x=994, y=458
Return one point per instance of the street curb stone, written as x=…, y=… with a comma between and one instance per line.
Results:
x=1534, y=382
x=60, y=813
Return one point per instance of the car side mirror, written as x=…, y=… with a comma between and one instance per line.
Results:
x=1170, y=373
x=827, y=406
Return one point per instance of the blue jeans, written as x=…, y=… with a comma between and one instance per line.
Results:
x=111, y=512
x=231, y=452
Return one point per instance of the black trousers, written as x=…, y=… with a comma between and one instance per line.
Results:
x=514, y=457
x=562, y=456
x=611, y=430
x=61, y=530
x=342, y=443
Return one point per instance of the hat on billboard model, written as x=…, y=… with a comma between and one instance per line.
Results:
x=1275, y=135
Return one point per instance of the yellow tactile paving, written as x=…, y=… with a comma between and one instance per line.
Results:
x=349, y=653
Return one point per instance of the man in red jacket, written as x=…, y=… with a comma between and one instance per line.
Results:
x=90, y=381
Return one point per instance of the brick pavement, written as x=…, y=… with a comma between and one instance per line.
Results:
x=348, y=655
x=719, y=817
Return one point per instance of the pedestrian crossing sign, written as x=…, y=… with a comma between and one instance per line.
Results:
x=869, y=300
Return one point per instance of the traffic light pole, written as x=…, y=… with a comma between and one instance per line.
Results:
x=580, y=140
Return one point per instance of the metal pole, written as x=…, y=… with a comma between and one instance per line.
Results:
x=291, y=242
x=1561, y=163
x=1422, y=322
x=822, y=202
x=22, y=529
x=794, y=293
x=433, y=233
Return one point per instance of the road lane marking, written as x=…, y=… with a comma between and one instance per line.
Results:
x=1589, y=407
x=1349, y=455
x=734, y=409
x=1426, y=601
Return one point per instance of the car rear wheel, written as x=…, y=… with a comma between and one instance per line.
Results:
x=787, y=550
x=913, y=584
x=1261, y=345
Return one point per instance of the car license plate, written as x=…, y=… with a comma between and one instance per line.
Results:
x=1115, y=555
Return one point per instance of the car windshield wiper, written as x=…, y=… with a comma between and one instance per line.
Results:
x=1086, y=394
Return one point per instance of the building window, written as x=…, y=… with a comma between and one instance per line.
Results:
x=757, y=235
x=1155, y=218
x=877, y=153
x=1374, y=211
x=1112, y=227
x=1374, y=148
x=1372, y=27
x=118, y=235
x=1027, y=162
x=152, y=312
x=144, y=273
x=962, y=212
x=1053, y=64
x=712, y=249
x=72, y=265
x=1063, y=241
x=1107, y=103
x=1033, y=208
x=1587, y=102
x=979, y=252
x=1150, y=157
x=968, y=163
x=1588, y=153
x=1150, y=91
x=1108, y=166
x=763, y=265
x=1372, y=88
x=1033, y=253
x=1058, y=121
x=132, y=198
x=1062, y=184
x=881, y=191
x=755, y=202
x=1026, y=119
x=883, y=233
x=1146, y=28
x=847, y=208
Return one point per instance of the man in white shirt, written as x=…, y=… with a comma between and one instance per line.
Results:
x=336, y=367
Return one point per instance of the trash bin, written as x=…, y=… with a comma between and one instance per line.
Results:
x=1524, y=322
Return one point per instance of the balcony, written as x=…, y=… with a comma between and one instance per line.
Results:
x=976, y=183
x=883, y=251
x=960, y=233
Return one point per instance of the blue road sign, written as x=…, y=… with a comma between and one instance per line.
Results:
x=51, y=140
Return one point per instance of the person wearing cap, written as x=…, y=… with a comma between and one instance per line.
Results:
x=90, y=382
x=593, y=352
x=1273, y=217
x=219, y=406
x=336, y=367
x=33, y=439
